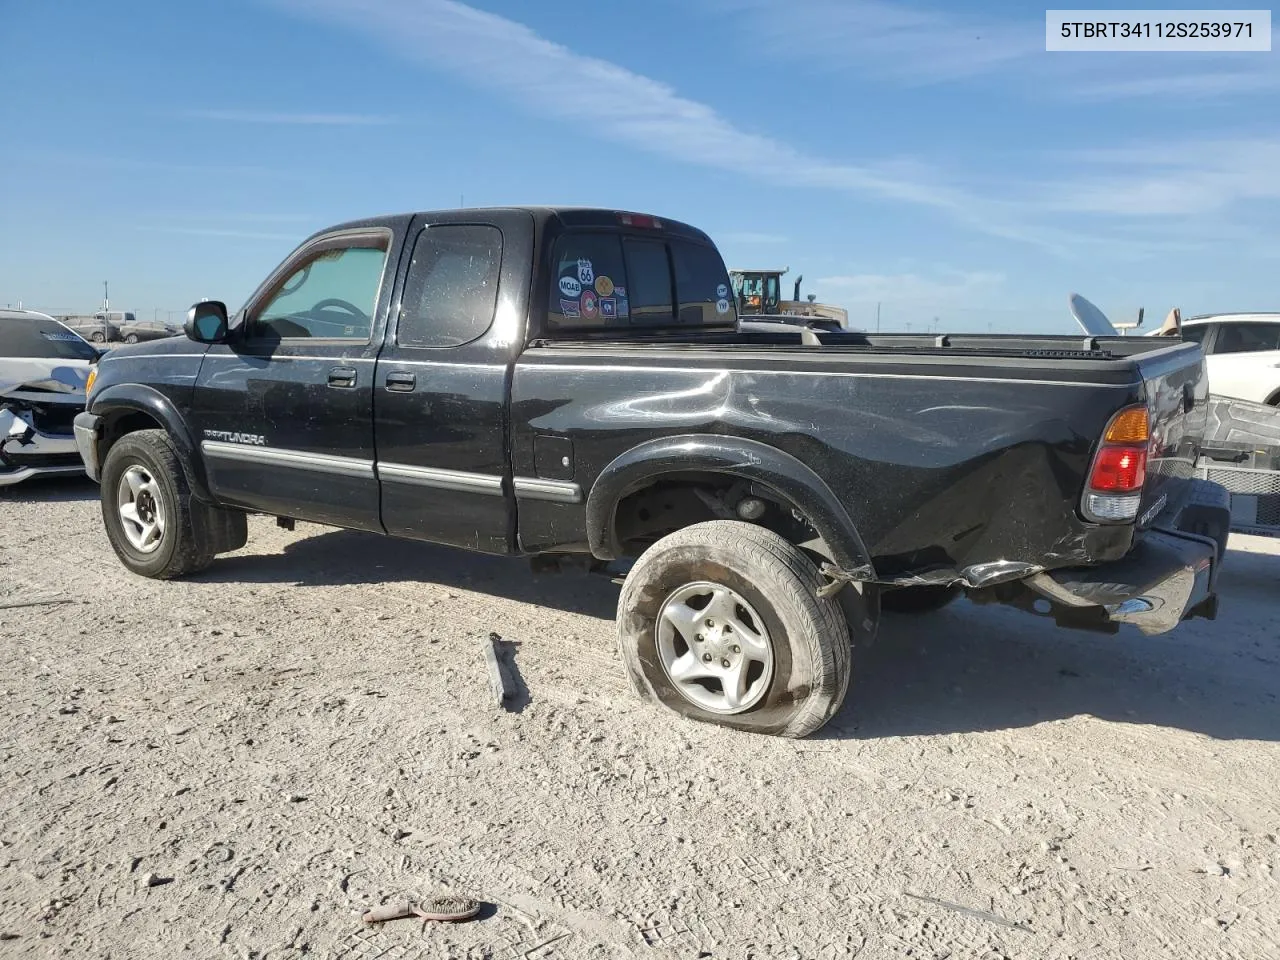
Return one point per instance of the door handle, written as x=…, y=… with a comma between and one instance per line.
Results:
x=342, y=376
x=402, y=382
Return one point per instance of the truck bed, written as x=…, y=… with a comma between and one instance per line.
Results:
x=959, y=457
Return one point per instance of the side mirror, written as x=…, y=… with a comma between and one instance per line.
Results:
x=207, y=322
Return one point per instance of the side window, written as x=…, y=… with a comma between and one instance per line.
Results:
x=589, y=285
x=1247, y=337
x=1196, y=332
x=702, y=284
x=649, y=272
x=331, y=294
x=452, y=288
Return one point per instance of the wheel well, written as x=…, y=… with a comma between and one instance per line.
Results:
x=676, y=501
x=1274, y=399
x=123, y=424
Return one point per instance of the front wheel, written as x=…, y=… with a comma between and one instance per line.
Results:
x=131, y=338
x=98, y=337
x=156, y=527
x=721, y=622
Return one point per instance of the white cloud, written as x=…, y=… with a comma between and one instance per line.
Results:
x=1104, y=199
x=551, y=80
x=913, y=45
x=1180, y=179
x=291, y=119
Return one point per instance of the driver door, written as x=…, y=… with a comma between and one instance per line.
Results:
x=284, y=413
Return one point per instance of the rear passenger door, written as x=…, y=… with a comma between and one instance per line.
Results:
x=284, y=412
x=441, y=384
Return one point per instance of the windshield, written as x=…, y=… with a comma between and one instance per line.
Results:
x=28, y=337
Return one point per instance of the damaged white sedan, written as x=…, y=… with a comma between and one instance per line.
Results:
x=44, y=367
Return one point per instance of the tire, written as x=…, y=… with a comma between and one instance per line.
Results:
x=918, y=599
x=191, y=532
x=98, y=337
x=774, y=587
x=131, y=338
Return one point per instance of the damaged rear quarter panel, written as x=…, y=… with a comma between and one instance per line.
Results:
x=949, y=474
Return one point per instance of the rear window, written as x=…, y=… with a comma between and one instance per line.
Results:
x=588, y=285
x=33, y=337
x=452, y=289
x=1247, y=337
x=606, y=280
x=702, y=284
x=649, y=280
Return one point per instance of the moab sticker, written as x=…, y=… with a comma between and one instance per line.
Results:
x=570, y=287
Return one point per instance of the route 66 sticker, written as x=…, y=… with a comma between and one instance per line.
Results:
x=586, y=273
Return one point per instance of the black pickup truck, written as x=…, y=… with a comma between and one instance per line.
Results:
x=553, y=382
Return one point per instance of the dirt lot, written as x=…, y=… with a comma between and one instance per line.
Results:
x=306, y=730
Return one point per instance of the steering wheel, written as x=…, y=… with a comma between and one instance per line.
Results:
x=350, y=308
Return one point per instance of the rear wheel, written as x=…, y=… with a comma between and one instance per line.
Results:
x=721, y=622
x=156, y=527
x=918, y=599
x=98, y=336
x=131, y=338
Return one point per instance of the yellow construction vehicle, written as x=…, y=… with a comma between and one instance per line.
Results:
x=758, y=293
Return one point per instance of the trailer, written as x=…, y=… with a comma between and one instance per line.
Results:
x=1241, y=451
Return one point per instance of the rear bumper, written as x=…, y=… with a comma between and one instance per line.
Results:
x=86, y=428
x=1169, y=575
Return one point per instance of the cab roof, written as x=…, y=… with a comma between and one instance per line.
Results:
x=590, y=217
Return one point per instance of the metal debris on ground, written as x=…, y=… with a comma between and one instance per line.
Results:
x=48, y=602
x=500, y=680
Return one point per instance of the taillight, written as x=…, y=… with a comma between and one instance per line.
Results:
x=1119, y=468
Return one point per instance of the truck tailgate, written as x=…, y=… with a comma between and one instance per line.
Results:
x=1177, y=389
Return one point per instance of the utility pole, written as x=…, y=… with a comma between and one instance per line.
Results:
x=106, y=299
x=877, y=316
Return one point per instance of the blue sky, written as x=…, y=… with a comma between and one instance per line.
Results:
x=930, y=157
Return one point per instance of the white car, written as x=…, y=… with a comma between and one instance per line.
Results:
x=44, y=367
x=1242, y=353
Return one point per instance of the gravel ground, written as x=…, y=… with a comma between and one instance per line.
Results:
x=240, y=764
